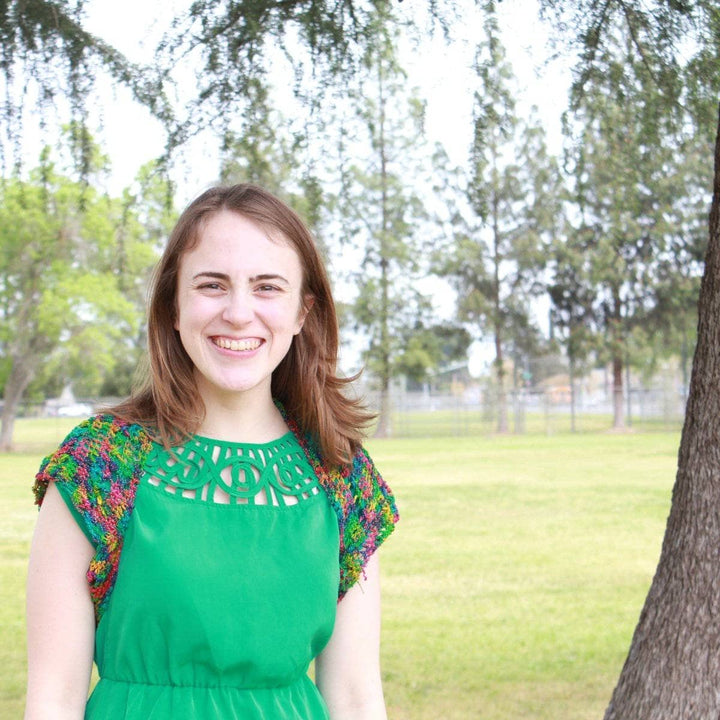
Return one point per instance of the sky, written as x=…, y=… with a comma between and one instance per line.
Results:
x=442, y=72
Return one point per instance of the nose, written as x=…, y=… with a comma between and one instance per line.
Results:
x=238, y=309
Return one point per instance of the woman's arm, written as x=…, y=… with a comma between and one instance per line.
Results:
x=60, y=615
x=348, y=669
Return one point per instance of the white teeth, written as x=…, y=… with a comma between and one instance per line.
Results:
x=237, y=345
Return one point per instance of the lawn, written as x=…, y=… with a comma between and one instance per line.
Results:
x=517, y=574
x=511, y=587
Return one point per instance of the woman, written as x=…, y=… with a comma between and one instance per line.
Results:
x=211, y=536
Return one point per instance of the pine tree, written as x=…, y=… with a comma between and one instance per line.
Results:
x=494, y=258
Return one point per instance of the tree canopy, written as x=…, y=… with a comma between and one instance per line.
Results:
x=229, y=45
x=74, y=265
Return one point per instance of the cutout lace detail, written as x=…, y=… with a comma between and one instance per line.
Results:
x=205, y=470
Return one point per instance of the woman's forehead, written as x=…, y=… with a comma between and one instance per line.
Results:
x=226, y=216
x=239, y=242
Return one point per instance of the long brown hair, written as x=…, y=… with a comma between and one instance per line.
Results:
x=305, y=382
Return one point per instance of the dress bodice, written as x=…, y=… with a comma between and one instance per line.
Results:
x=226, y=588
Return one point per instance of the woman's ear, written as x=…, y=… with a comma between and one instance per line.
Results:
x=306, y=306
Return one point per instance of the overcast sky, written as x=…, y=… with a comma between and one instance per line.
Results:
x=442, y=73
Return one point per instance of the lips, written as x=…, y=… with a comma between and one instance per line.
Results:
x=237, y=345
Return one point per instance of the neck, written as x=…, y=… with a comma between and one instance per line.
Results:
x=251, y=420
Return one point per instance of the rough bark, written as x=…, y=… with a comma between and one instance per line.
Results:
x=673, y=667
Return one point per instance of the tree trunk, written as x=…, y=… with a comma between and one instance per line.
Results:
x=571, y=380
x=384, y=426
x=684, y=357
x=502, y=409
x=17, y=382
x=518, y=400
x=617, y=389
x=673, y=667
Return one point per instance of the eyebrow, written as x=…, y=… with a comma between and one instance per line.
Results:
x=226, y=277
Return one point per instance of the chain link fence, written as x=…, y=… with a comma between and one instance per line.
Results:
x=474, y=409
x=547, y=411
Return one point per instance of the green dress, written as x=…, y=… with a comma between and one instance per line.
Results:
x=226, y=588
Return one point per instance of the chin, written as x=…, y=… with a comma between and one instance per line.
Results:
x=243, y=387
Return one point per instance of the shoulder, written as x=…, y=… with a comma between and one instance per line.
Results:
x=361, y=488
x=97, y=469
x=367, y=513
x=367, y=500
x=100, y=450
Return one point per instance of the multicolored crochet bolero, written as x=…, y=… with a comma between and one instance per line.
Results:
x=102, y=461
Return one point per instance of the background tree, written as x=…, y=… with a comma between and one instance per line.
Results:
x=572, y=295
x=45, y=46
x=62, y=298
x=383, y=214
x=280, y=155
x=231, y=42
x=142, y=218
x=671, y=322
x=494, y=257
x=429, y=350
x=628, y=178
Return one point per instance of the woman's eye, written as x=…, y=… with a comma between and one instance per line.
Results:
x=210, y=286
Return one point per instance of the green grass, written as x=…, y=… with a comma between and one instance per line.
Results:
x=462, y=422
x=510, y=589
x=516, y=576
x=40, y=435
x=18, y=518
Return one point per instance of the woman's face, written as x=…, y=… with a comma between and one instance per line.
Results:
x=239, y=305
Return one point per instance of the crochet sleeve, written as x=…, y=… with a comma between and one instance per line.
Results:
x=369, y=516
x=67, y=467
x=96, y=470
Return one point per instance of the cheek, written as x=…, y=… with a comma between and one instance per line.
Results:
x=194, y=310
x=285, y=316
x=282, y=320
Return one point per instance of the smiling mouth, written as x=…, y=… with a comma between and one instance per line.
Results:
x=237, y=345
